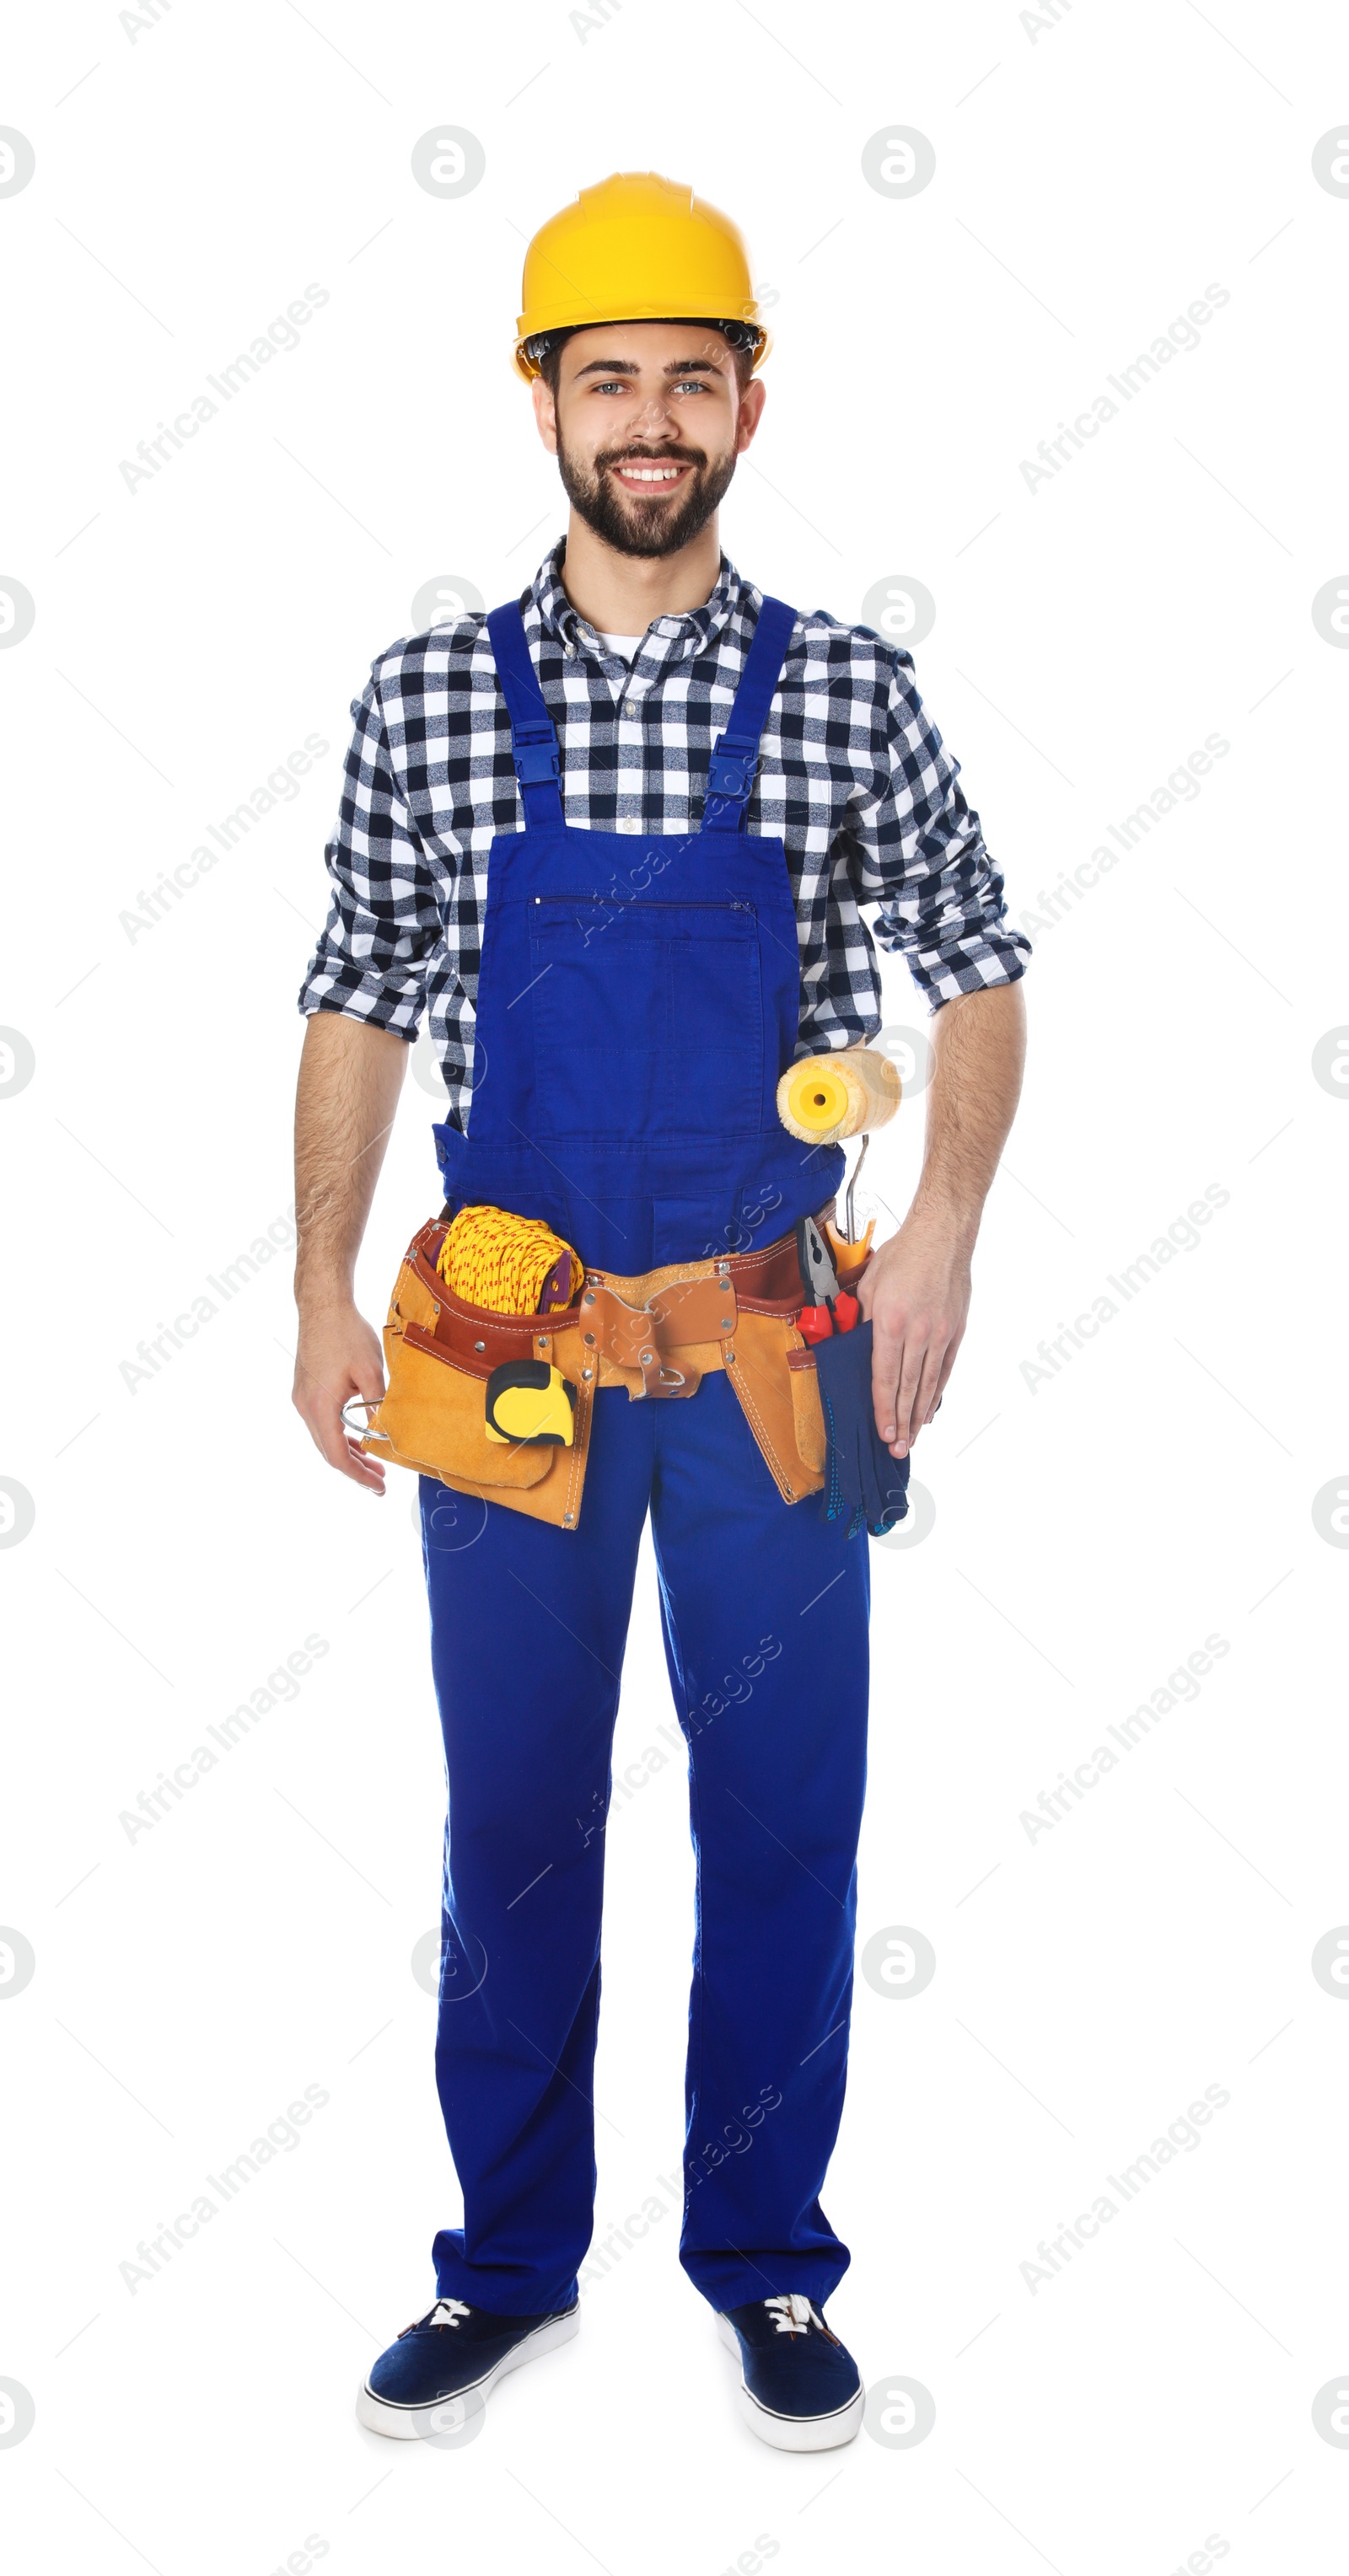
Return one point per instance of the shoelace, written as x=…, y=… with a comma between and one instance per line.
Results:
x=446, y=2312
x=793, y=2314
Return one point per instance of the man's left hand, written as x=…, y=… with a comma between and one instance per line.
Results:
x=916, y=1293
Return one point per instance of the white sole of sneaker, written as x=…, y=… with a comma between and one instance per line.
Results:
x=793, y=2432
x=415, y=2423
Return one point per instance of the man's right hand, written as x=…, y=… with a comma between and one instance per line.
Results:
x=350, y=1078
x=338, y=1356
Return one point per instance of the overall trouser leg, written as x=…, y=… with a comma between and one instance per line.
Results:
x=527, y=1636
x=765, y=1613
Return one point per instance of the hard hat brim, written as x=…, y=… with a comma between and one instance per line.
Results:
x=529, y=366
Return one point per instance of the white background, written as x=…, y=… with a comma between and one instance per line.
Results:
x=1093, y=175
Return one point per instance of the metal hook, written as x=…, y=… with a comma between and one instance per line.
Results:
x=852, y=1184
x=369, y=1404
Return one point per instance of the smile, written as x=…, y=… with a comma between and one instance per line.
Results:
x=646, y=478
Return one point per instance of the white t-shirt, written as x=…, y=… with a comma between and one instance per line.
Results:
x=623, y=645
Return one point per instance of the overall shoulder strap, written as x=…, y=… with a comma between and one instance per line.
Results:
x=735, y=753
x=534, y=745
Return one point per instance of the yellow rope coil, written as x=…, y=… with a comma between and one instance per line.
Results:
x=491, y=1258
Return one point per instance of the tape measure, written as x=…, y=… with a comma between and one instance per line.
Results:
x=530, y=1404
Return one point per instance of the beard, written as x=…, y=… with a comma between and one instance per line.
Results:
x=640, y=527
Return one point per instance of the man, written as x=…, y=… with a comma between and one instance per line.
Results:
x=611, y=1034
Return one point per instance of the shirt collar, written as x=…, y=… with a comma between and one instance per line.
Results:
x=684, y=635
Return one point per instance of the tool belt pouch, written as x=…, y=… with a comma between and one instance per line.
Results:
x=758, y=1365
x=439, y=1352
x=807, y=1412
x=657, y=1335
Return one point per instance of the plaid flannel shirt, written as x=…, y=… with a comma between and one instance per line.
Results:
x=853, y=778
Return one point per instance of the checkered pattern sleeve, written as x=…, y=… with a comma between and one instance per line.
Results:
x=383, y=921
x=915, y=844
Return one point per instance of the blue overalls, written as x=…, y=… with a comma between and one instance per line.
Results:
x=638, y=1000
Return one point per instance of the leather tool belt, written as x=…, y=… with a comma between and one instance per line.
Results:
x=658, y=1335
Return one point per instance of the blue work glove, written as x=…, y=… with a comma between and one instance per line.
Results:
x=862, y=1482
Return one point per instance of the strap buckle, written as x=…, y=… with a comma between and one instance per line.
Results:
x=536, y=756
x=730, y=771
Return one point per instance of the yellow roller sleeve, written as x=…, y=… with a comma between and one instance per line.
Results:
x=826, y=1098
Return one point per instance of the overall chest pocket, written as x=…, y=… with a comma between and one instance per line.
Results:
x=647, y=1018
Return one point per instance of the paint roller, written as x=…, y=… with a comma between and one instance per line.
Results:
x=825, y=1098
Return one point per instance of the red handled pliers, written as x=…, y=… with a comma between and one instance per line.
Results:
x=829, y=1308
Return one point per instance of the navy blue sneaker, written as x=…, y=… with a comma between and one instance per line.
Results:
x=454, y=2352
x=800, y=2388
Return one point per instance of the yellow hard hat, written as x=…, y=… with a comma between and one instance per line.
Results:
x=637, y=248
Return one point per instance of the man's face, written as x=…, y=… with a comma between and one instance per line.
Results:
x=646, y=425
